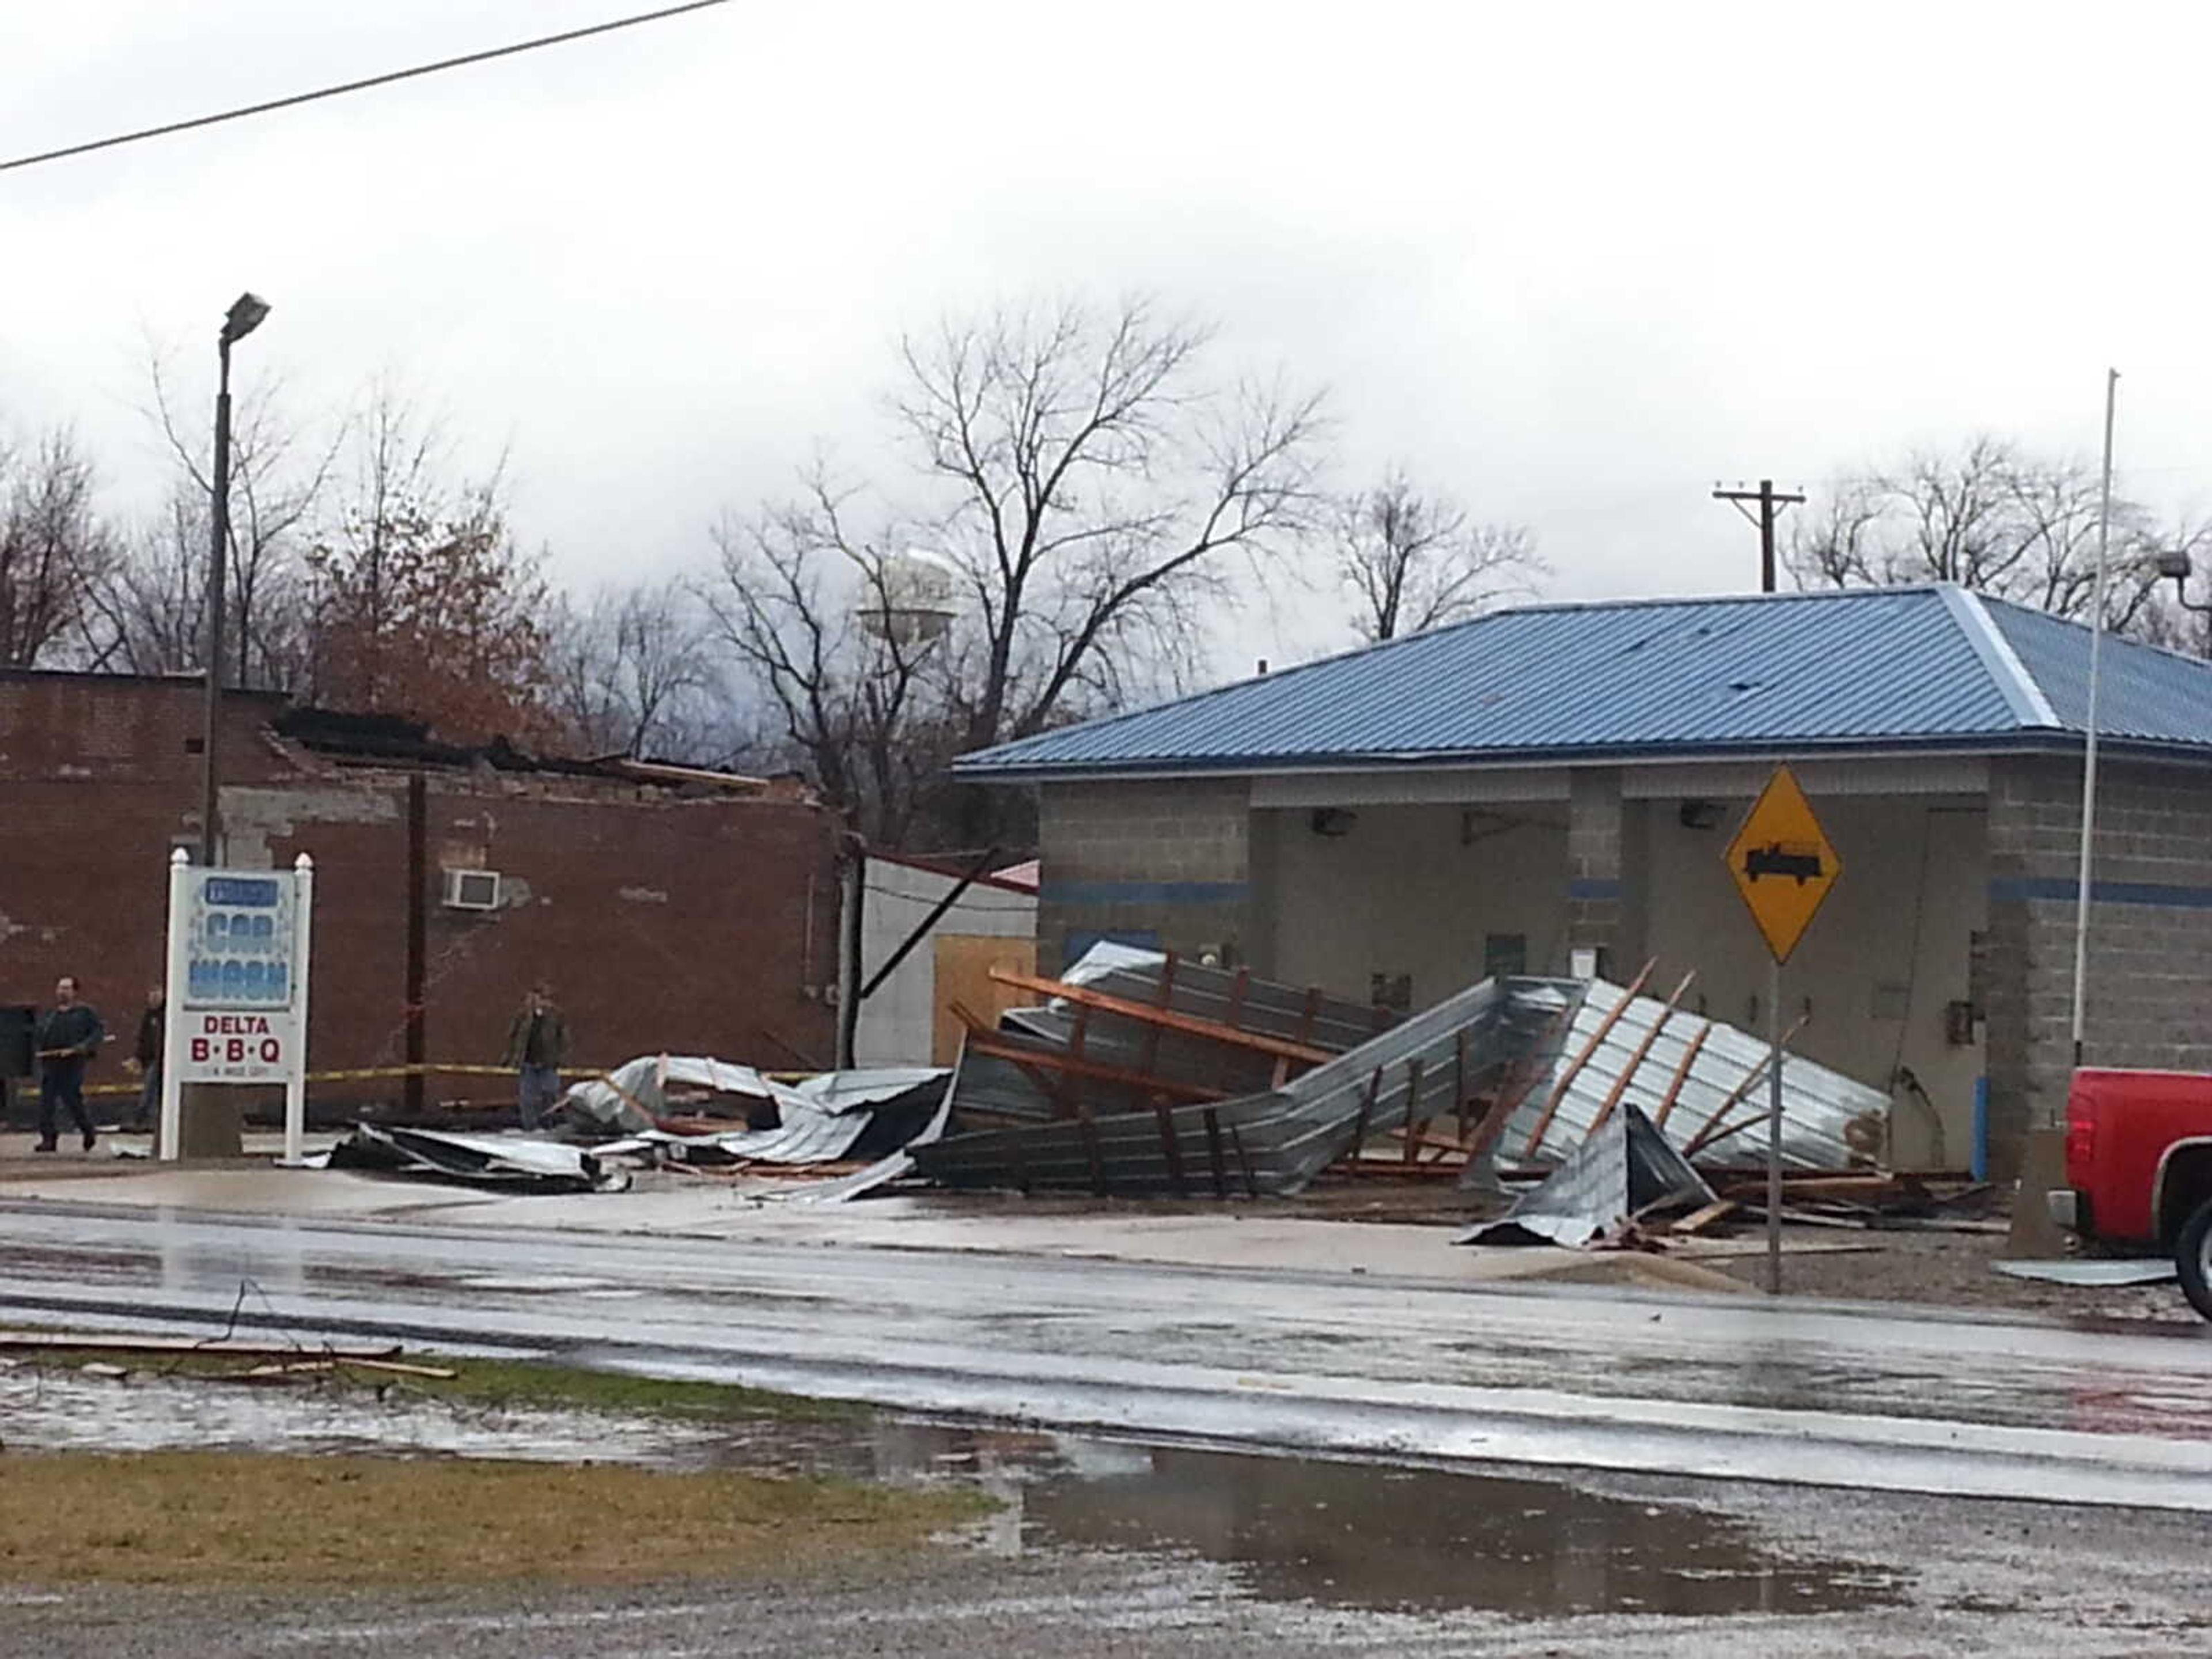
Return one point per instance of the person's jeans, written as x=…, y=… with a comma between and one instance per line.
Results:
x=150, y=1099
x=58, y=1086
x=541, y=1087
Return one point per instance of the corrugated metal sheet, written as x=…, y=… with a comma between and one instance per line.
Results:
x=1839, y=669
x=1270, y=1143
x=2143, y=694
x=1818, y=1106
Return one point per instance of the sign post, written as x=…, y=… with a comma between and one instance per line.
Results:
x=237, y=986
x=1784, y=865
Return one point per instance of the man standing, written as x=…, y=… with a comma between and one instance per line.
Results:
x=537, y=1043
x=69, y=1036
x=146, y=1058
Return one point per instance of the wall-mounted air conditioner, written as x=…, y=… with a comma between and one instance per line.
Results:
x=472, y=890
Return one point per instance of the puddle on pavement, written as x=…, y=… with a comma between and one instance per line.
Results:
x=1286, y=1529
x=1370, y=1536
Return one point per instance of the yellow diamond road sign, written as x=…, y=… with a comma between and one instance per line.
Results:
x=1782, y=863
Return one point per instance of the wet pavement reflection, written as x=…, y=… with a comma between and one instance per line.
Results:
x=1375, y=1536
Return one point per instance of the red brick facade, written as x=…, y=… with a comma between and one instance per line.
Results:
x=692, y=919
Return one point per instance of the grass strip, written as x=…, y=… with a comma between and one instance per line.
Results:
x=519, y=1383
x=241, y=1518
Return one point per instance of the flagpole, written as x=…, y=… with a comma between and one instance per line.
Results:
x=2089, y=749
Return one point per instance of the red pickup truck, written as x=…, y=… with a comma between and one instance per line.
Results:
x=2139, y=1168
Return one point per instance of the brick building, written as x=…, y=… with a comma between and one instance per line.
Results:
x=673, y=910
x=1562, y=780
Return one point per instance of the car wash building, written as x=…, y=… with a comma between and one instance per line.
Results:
x=1551, y=789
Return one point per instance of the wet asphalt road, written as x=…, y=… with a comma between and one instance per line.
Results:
x=1897, y=1400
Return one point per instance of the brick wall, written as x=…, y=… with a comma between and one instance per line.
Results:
x=1170, y=861
x=702, y=924
x=2149, y=1000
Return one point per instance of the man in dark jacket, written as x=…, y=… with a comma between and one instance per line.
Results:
x=146, y=1056
x=68, y=1037
x=537, y=1043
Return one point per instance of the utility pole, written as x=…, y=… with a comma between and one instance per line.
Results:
x=1769, y=505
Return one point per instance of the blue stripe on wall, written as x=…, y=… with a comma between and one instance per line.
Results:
x=1145, y=892
x=1593, y=889
x=2103, y=892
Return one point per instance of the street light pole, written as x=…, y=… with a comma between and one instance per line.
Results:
x=205, y=1126
x=243, y=317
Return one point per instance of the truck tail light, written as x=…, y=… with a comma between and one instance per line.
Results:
x=2080, y=1138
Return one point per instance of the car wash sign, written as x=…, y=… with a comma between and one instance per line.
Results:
x=238, y=974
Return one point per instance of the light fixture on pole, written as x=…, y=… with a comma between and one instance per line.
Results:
x=2178, y=566
x=244, y=316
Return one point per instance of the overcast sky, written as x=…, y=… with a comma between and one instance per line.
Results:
x=1573, y=262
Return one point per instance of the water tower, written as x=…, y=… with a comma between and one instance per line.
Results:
x=911, y=603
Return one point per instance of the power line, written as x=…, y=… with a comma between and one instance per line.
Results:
x=359, y=86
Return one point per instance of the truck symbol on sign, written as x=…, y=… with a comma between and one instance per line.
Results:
x=1783, y=858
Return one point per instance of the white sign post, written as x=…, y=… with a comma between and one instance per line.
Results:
x=237, y=987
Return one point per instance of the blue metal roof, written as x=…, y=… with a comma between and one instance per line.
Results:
x=1856, y=669
x=2143, y=695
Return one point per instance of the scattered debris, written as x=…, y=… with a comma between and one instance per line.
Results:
x=170, y=1346
x=2094, y=1271
x=495, y=1160
x=1622, y=1174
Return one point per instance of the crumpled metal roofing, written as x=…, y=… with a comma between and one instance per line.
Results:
x=1274, y=1142
x=504, y=1159
x=1819, y=1107
x=1863, y=668
x=820, y=1119
x=992, y=1085
x=1623, y=1170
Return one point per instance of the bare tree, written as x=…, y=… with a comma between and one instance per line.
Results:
x=827, y=624
x=1412, y=560
x=1090, y=485
x=1084, y=489
x=148, y=613
x=634, y=675
x=1989, y=517
x=278, y=477
x=54, y=550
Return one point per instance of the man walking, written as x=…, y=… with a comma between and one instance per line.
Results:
x=68, y=1037
x=146, y=1057
x=537, y=1043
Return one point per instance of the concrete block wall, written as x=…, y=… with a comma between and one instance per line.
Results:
x=2149, y=1000
x=1597, y=909
x=1169, y=860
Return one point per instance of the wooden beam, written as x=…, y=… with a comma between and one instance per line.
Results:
x=1149, y=1051
x=1705, y=1136
x=1698, y=1220
x=1582, y=1059
x=1189, y=1025
x=1213, y=1153
x=1643, y=1050
x=1366, y=1110
x=1681, y=1074
x=1516, y=1086
x=1169, y=1147
x=1190, y=1094
x=1413, y=1069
